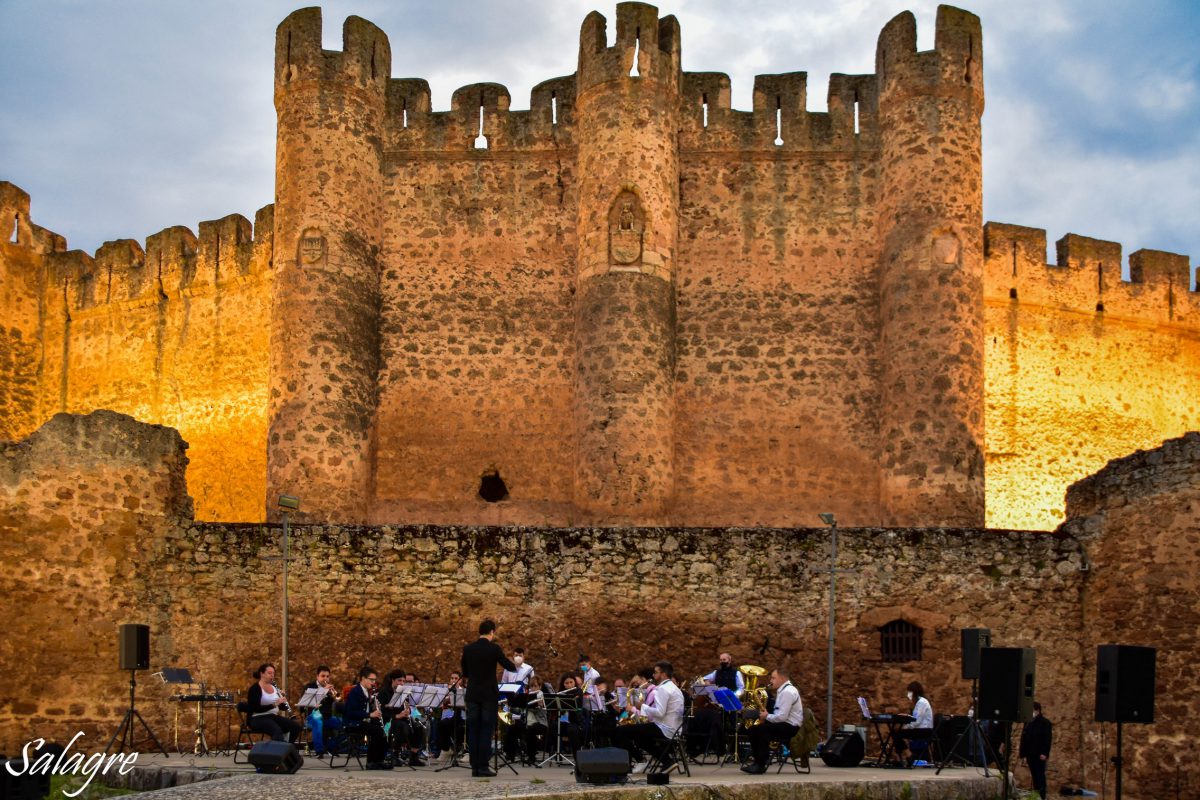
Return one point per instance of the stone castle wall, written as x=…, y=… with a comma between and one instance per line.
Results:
x=773, y=377
x=1082, y=366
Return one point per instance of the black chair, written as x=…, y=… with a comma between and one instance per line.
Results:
x=783, y=754
x=672, y=755
x=246, y=733
x=350, y=742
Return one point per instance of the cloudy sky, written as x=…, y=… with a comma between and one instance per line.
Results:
x=121, y=117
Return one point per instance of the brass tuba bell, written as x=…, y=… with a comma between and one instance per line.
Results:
x=754, y=697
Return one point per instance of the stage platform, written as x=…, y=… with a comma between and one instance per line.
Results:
x=218, y=778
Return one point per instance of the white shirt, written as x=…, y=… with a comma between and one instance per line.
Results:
x=923, y=713
x=523, y=672
x=667, y=711
x=594, y=701
x=788, y=707
x=741, y=682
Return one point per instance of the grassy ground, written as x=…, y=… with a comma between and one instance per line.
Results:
x=61, y=784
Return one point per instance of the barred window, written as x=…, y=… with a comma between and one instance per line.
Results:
x=900, y=640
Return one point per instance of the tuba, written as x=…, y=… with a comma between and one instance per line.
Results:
x=755, y=696
x=635, y=696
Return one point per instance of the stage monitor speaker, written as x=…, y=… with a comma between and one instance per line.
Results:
x=135, y=646
x=276, y=758
x=25, y=786
x=602, y=765
x=1125, y=683
x=1006, y=683
x=973, y=640
x=844, y=749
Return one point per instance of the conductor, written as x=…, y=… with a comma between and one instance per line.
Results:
x=479, y=662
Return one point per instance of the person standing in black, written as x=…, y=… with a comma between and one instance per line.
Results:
x=479, y=662
x=1035, y=748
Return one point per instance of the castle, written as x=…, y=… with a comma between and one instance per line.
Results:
x=629, y=304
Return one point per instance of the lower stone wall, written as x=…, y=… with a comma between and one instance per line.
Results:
x=1139, y=519
x=95, y=522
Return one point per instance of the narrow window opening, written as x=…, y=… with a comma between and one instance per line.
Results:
x=554, y=108
x=1012, y=293
x=372, y=62
x=856, y=112
x=16, y=229
x=1100, y=307
x=481, y=141
x=970, y=57
x=637, y=49
x=1100, y=285
x=287, y=60
x=217, y=256
x=704, y=108
x=404, y=113
x=492, y=488
x=778, y=121
x=900, y=640
x=1014, y=259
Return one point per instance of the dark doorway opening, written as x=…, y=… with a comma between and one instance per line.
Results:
x=492, y=487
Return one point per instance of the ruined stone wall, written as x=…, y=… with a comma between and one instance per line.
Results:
x=81, y=501
x=1139, y=521
x=1081, y=365
x=174, y=332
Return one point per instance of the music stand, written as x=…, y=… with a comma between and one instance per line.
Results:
x=731, y=704
x=458, y=701
x=974, y=735
x=559, y=704
x=396, y=704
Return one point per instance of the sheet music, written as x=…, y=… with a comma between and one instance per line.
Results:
x=399, y=696
x=312, y=698
x=622, y=694
x=862, y=705
x=511, y=688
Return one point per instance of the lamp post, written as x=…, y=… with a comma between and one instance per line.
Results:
x=831, y=520
x=288, y=503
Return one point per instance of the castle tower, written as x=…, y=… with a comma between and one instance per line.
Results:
x=324, y=350
x=628, y=168
x=931, y=273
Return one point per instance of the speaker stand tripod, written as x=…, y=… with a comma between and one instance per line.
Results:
x=125, y=731
x=974, y=736
x=1117, y=761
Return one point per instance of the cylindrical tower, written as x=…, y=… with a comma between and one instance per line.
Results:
x=628, y=167
x=328, y=223
x=931, y=273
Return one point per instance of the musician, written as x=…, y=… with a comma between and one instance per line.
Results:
x=521, y=673
x=569, y=724
x=322, y=720
x=779, y=725
x=727, y=676
x=534, y=727
x=604, y=720
x=362, y=711
x=918, y=732
x=663, y=719
x=588, y=677
x=403, y=732
x=267, y=707
x=449, y=727
x=479, y=662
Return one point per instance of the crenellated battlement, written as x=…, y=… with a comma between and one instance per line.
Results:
x=1087, y=277
x=954, y=65
x=647, y=48
x=364, y=62
x=172, y=263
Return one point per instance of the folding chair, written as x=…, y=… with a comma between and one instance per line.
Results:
x=676, y=750
x=348, y=743
x=246, y=733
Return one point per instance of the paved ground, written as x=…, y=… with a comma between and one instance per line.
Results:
x=316, y=781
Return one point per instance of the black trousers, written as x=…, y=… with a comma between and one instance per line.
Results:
x=481, y=725
x=640, y=738
x=278, y=728
x=1037, y=772
x=764, y=733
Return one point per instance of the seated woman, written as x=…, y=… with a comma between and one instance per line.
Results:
x=266, y=707
x=915, y=739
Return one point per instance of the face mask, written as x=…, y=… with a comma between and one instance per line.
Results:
x=725, y=665
x=518, y=660
x=910, y=695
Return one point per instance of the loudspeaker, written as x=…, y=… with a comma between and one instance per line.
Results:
x=276, y=758
x=1006, y=683
x=602, y=765
x=24, y=786
x=973, y=640
x=844, y=749
x=1125, y=683
x=135, y=646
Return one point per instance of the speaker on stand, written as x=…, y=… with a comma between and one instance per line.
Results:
x=1125, y=676
x=1007, y=676
x=133, y=646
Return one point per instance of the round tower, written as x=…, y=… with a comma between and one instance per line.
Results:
x=324, y=352
x=931, y=273
x=627, y=109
